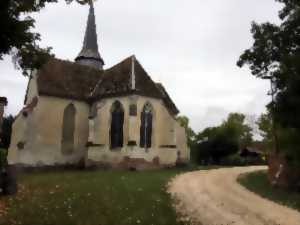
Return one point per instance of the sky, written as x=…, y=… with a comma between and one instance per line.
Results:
x=190, y=46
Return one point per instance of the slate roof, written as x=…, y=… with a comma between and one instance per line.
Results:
x=67, y=80
x=70, y=80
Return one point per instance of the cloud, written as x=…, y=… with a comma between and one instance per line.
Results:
x=190, y=46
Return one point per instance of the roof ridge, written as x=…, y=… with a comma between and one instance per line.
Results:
x=119, y=63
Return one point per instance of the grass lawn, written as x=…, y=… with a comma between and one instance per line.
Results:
x=258, y=182
x=90, y=198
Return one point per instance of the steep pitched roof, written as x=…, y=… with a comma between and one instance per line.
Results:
x=117, y=80
x=69, y=80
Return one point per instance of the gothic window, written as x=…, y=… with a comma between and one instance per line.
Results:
x=68, y=130
x=146, y=126
x=116, y=128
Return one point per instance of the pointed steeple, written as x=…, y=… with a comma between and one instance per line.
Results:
x=89, y=55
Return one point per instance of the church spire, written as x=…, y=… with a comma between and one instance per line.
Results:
x=89, y=55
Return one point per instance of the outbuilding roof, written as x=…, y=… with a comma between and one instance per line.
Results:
x=66, y=79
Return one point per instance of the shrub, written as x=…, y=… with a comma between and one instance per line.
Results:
x=5, y=136
x=3, y=154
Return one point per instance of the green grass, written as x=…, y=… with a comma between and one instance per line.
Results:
x=91, y=198
x=258, y=183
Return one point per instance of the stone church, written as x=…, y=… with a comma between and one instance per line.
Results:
x=77, y=113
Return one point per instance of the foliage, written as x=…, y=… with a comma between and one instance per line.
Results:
x=289, y=143
x=5, y=136
x=3, y=155
x=215, y=143
x=218, y=145
x=92, y=198
x=17, y=37
x=238, y=129
x=258, y=183
x=265, y=126
x=288, y=138
x=237, y=160
x=275, y=55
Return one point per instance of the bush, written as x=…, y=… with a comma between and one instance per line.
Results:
x=5, y=136
x=3, y=154
x=216, y=148
x=234, y=160
x=237, y=160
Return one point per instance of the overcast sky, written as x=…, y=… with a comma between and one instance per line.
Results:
x=190, y=46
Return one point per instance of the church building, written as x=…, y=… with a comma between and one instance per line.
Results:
x=80, y=114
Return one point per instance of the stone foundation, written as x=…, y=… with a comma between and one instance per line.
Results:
x=129, y=164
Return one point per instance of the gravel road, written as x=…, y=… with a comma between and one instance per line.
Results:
x=214, y=197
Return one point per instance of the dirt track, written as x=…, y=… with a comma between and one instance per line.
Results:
x=214, y=197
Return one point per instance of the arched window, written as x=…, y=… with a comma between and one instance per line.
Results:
x=116, y=127
x=68, y=129
x=146, y=126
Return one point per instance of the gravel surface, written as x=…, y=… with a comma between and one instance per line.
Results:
x=214, y=197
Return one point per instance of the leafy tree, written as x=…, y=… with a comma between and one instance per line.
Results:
x=237, y=128
x=17, y=37
x=218, y=142
x=265, y=126
x=275, y=55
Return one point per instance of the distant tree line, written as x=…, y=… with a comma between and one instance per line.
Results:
x=222, y=144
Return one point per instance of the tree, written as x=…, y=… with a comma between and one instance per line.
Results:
x=236, y=127
x=224, y=140
x=275, y=55
x=265, y=126
x=216, y=144
x=17, y=38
